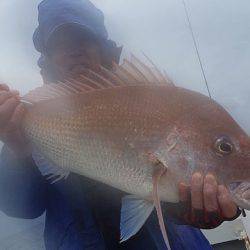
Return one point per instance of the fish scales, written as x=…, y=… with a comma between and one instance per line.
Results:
x=122, y=135
x=138, y=133
x=98, y=134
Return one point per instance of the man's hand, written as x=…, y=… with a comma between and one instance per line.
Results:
x=205, y=203
x=11, y=114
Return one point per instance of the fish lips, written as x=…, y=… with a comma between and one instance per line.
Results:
x=240, y=192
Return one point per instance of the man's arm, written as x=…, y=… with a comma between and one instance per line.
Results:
x=22, y=187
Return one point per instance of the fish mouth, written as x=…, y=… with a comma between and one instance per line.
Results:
x=240, y=192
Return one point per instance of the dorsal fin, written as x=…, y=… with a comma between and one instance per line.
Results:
x=151, y=73
x=137, y=74
x=112, y=77
x=99, y=78
x=130, y=73
x=124, y=74
x=156, y=71
x=79, y=85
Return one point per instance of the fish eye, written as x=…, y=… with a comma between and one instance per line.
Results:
x=224, y=146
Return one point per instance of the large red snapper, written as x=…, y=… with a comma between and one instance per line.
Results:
x=134, y=130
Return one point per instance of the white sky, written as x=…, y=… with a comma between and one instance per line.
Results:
x=158, y=28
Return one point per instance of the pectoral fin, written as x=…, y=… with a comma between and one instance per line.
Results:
x=52, y=172
x=134, y=214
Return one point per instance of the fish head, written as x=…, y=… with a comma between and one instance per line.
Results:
x=238, y=179
x=209, y=140
x=228, y=152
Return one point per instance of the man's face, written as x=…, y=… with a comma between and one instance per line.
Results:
x=72, y=52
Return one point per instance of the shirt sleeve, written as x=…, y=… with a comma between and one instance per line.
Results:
x=22, y=187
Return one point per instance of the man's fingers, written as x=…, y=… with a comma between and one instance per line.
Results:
x=227, y=206
x=16, y=118
x=210, y=193
x=4, y=95
x=197, y=191
x=7, y=109
x=4, y=87
x=184, y=192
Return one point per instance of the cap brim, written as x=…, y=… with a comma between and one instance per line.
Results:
x=82, y=27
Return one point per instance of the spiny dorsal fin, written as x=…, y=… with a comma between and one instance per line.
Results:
x=112, y=76
x=130, y=73
x=151, y=73
x=124, y=74
x=82, y=87
x=157, y=72
x=136, y=72
x=146, y=70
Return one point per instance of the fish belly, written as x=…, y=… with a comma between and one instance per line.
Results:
x=99, y=160
x=91, y=156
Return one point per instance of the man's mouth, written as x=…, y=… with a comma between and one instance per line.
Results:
x=240, y=192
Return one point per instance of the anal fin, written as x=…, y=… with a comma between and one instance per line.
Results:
x=134, y=214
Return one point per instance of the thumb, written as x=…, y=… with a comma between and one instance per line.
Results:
x=17, y=117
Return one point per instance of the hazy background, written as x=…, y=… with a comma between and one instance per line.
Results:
x=158, y=28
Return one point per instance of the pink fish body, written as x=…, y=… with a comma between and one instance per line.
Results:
x=123, y=127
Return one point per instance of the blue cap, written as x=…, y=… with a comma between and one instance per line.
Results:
x=53, y=14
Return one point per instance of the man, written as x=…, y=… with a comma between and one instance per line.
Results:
x=81, y=213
